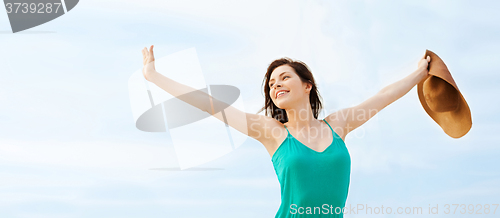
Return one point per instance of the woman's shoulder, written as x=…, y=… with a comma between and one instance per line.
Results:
x=263, y=127
x=337, y=125
x=277, y=134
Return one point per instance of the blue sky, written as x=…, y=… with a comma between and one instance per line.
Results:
x=69, y=146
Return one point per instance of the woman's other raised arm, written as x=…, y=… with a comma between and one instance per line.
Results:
x=256, y=126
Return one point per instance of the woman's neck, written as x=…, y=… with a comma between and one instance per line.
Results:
x=301, y=117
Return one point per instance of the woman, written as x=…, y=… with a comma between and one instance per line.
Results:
x=309, y=155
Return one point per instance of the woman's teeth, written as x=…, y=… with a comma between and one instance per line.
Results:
x=281, y=94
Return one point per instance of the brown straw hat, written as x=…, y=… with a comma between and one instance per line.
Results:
x=441, y=99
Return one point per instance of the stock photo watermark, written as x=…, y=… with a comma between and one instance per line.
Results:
x=431, y=209
x=26, y=14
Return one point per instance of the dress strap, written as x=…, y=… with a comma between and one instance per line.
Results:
x=288, y=135
x=286, y=129
x=329, y=126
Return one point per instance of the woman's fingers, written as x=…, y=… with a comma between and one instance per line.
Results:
x=147, y=55
x=144, y=56
x=424, y=62
x=151, y=52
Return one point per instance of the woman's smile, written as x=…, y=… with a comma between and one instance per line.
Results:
x=281, y=95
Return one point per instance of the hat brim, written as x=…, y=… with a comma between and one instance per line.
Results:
x=454, y=123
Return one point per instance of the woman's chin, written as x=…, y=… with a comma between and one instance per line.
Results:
x=281, y=104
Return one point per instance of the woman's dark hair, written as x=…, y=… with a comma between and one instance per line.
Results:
x=304, y=74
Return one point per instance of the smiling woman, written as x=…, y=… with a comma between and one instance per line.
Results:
x=313, y=168
x=314, y=172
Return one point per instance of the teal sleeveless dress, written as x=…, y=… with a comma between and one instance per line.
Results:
x=313, y=184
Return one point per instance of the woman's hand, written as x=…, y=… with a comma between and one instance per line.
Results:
x=148, y=60
x=424, y=63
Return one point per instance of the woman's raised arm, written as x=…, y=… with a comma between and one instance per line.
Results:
x=253, y=125
x=353, y=117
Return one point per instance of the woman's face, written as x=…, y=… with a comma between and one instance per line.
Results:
x=284, y=78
